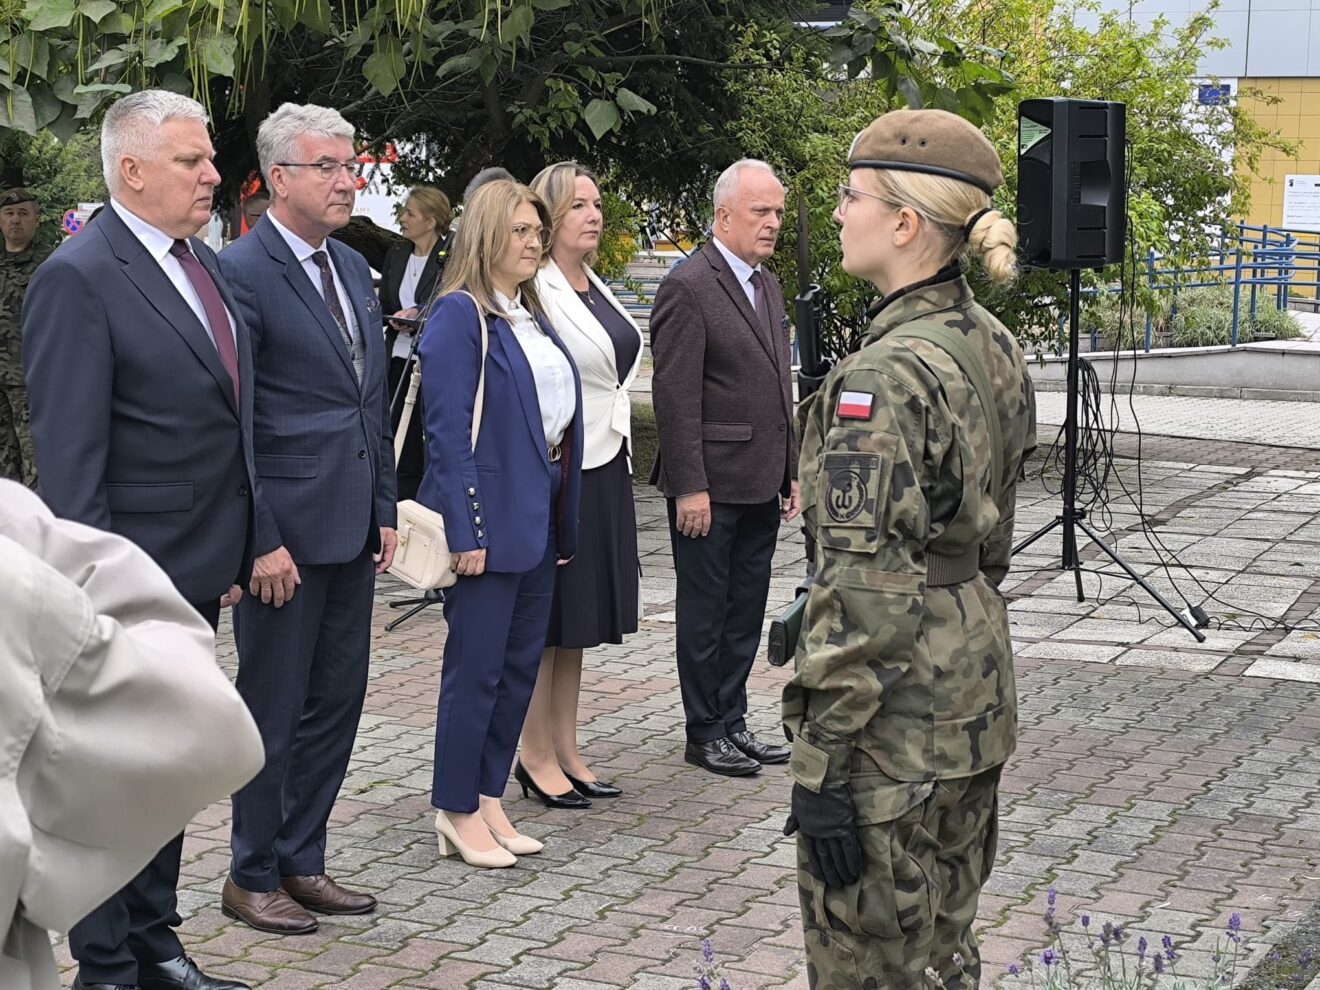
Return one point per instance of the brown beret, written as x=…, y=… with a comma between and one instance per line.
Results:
x=933, y=141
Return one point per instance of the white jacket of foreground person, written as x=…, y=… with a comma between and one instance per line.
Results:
x=116, y=725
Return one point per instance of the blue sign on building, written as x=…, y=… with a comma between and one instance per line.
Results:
x=1213, y=94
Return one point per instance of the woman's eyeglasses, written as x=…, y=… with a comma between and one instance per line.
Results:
x=532, y=235
x=847, y=194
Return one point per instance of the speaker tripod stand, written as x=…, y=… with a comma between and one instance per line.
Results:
x=1073, y=517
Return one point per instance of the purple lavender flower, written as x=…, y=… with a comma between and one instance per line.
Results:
x=1141, y=949
x=1305, y=958
x=1118, y=933
x=703, y=983
x=1049, y=957
x=1013, y=969
x=1086, y=921
x=707, y=951
x=1169, y=952
x=1051, y=896
x=1158, y=963
x=1235, y=927
x=724, y=984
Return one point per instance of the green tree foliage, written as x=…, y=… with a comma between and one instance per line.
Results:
x=800, y=113
x=61, y=174
x=638, y=85
x=1189, y=165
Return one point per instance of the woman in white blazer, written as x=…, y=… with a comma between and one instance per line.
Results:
x=596, y=593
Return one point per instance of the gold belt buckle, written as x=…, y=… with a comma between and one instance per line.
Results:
x=555, y=452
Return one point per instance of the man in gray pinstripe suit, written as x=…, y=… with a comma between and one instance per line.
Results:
x=324, y=523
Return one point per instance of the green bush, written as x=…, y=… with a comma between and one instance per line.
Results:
x=1277, y=324
x=1201, y=324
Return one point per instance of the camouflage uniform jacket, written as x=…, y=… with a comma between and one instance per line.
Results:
x=15, y=272
x=892, y=674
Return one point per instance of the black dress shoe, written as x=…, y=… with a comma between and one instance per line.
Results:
x=759, y=751
x=592, y=788
x=569, y=799
x=181, y=974
x=78, y=984
x=721, y=756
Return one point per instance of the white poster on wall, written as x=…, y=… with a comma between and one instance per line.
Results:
x=1301, y=202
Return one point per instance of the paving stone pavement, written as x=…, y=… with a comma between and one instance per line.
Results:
x=1158, y=782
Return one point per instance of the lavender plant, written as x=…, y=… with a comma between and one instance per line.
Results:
x=708, y=974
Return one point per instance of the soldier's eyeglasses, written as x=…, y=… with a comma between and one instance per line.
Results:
x=328, y=171
x=847, y=194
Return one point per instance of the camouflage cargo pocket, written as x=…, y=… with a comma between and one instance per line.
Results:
x=895, y=898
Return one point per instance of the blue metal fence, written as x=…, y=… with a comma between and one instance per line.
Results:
x=1254, y=261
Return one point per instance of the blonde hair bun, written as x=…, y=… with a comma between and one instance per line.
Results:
x=993, y=238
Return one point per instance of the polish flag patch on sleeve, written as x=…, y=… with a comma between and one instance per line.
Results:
x=855, y=405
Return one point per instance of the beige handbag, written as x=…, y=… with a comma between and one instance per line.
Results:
x=422, y=558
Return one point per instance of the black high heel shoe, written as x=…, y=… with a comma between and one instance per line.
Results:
x=592, y=788
x=569, y=799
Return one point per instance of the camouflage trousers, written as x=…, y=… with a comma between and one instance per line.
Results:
x=916, y=901
x=18, y=459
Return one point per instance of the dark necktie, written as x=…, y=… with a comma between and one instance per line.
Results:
x=763, y=310
x=214, y=307
x=331, y=295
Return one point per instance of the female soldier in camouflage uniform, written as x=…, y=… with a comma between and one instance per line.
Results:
x=902, y=708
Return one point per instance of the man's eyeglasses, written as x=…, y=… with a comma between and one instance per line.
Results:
x=847, y=194
x=531, y=235
x=327, y=170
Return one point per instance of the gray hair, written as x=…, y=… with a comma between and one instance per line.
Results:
x=727, y=184
x=491, y=174
x=278, y=134
x=132, y=127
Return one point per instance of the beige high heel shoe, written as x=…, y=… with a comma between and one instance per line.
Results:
x=518, y=844
x=449, y=842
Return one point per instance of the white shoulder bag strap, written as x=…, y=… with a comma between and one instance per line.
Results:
x=415, y=383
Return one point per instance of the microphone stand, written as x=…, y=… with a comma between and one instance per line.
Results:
x=409, y=384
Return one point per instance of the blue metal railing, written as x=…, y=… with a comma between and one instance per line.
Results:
x=1252, y=260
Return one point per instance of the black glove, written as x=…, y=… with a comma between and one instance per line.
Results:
x=828, y=822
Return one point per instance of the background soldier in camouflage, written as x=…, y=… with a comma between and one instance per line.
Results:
x=19, y=217
x=902, y=708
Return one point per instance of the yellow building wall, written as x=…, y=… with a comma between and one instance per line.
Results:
x=1296, y=116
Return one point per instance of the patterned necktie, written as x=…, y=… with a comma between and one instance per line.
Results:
x=213, y=306
x=331, y=295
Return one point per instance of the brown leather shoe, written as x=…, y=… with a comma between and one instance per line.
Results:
x=320, y=893
x=271, y=911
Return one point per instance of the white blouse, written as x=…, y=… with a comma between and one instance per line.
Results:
x=550, y=369
x=412, y=274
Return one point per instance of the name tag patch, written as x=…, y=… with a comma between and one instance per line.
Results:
x=855, y=405
x=852, y=487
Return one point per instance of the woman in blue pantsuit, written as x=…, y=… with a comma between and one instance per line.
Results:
x=510, y=507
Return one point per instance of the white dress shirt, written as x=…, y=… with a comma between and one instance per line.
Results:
x=550, y=369
x=741, y=270
x=412, y=274
x=158, y=244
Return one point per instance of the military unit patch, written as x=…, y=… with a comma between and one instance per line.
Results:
x=852, y=483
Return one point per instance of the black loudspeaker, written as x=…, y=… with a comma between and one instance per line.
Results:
x=1072, y=187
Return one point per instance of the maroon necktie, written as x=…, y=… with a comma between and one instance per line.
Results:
x=214, y=306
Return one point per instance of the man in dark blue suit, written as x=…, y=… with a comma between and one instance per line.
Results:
x=140, y=382
x=324, y=527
